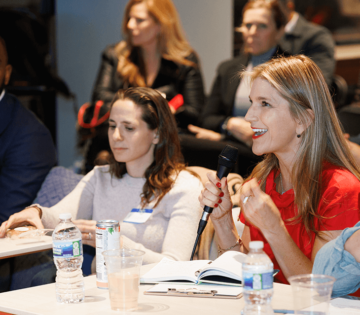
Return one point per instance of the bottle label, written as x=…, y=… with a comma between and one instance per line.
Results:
x=67, y=249
x=258, y=281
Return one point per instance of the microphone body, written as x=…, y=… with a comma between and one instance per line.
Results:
x=227, y=160
x=222, y=171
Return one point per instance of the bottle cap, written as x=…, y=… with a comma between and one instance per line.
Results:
x=65, y=216
x=256, y=245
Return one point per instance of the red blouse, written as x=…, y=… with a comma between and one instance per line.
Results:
x=340, y=204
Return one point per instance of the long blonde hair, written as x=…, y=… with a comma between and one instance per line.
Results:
x=172, y=44
x=300, y=82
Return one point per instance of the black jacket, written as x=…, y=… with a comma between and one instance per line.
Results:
x=172, y=79
x=220, y=103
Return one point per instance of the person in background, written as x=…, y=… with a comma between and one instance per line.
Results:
x=307, y=188
x=309, y=39
x=154, y=53
x=222, y=119
x=354, y=146
x=340, y=258
x=145, y=172
x=27, y=152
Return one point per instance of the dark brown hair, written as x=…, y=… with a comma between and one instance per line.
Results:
x=167, y=164
x=276, y=8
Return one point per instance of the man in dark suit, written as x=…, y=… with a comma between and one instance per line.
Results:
x=27, y=152
x=311, y=40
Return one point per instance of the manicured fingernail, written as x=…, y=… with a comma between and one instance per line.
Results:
x=221, y=194
x=216, y=205
x=220, y=201
x=218, y=184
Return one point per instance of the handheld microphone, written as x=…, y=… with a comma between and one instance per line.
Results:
x=227, y=160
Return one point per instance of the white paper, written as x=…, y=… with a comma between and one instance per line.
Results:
x=232, y=260
x=341, y=306
x=168, y=269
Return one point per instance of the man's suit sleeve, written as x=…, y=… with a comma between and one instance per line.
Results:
x=29, y=156
x=321, y=49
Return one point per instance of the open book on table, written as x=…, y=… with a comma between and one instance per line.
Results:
x=224, y=270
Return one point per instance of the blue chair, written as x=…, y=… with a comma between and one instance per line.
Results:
x=60, y=182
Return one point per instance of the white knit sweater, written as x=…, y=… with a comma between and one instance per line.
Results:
x=169, y=232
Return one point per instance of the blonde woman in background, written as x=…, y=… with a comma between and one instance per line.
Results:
x=154, y=53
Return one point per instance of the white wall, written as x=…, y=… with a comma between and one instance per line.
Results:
x=85, y=27
x=208, y=27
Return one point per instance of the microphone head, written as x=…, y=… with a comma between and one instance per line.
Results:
x=228, y=156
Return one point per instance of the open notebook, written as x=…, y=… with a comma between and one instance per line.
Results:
x=224, y=270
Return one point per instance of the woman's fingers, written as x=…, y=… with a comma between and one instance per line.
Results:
x=207, y=199
x=36, y=222
x=194, y=129
x=25, y=217
x=3, y=229
x=88, y=231
x=250, y=189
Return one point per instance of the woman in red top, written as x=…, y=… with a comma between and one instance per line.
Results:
x=307, y=188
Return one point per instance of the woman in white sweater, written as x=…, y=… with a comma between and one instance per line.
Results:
x=146, y=173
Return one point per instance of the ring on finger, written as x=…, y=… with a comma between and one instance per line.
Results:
x=246, y=200
x=90, y=236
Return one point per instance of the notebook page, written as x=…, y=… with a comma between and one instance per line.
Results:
x=229, y=262
x=167, y=270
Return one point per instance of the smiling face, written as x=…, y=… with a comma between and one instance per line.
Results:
x=275, y=129
x=259, y=31
x=143, y=29
x=131, y=141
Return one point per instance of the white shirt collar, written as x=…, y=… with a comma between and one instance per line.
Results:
x=2, y=94
x=289, y=27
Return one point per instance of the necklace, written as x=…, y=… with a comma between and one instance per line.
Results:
x=281, y=185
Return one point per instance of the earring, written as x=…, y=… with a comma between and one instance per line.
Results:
x=298, y=136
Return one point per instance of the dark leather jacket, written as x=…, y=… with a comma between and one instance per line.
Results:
x=172, y=79
x=220, y=103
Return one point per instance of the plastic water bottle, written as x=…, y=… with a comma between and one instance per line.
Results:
x=68, y=258
x=257, y=273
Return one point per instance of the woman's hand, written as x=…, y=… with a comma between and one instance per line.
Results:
x=88, y=231
x=28, y=216
x=202, y=133
x=259, y=208
x=216, y=195
x=240, y=129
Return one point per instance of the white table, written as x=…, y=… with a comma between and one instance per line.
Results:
x=11, y=248
x=42, y=300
